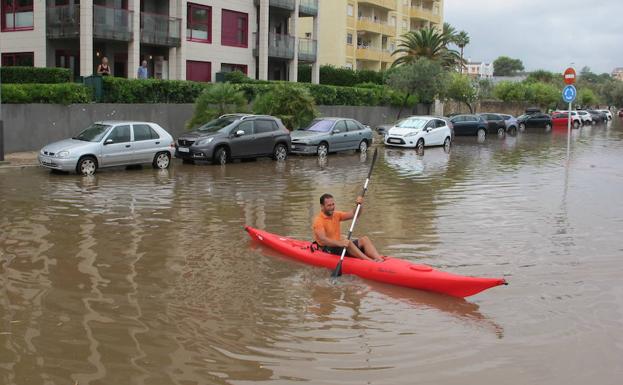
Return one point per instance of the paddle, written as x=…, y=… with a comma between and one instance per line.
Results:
x=338, y=269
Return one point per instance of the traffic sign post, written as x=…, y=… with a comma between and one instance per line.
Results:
x=569, y=76
x=569, y=94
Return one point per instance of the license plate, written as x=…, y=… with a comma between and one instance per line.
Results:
x=393, y=140
x=183, y=149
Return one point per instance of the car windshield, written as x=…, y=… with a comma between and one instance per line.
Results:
x=415, y=123
x=218, y=124
x=94, y=133
x=319, y=126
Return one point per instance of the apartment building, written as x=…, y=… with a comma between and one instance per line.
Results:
x=478, y=70
x=362, y=34
x=179, y=39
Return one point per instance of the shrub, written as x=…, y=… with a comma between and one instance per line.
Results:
x=67, y=93
x=120, y=90
x=237, y=77
x=337, y=76
x=292, y=104
x=17, y=75
x=222, y=98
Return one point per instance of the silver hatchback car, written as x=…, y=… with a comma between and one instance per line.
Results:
x=108, y=144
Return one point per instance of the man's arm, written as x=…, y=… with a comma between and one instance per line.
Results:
x=322, y=237
x=351, y=214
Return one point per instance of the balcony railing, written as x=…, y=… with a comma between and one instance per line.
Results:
x=308, y=50
x=283, y=4
x=63, y=22
x=425, y=14
x=112, y=23
x=308, y=7
x=279, y=45
x=160, y=30
x=385, y=4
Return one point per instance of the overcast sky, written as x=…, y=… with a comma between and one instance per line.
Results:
x=543, y=34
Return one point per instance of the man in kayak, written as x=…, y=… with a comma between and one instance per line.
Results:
x=329, y=237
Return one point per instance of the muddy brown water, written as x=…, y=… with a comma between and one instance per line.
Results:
x=147, y=277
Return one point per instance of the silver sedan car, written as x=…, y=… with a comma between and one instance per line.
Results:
x=110, y=143
x=326, y=135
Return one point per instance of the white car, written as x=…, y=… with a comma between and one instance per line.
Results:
x=110, y=143
x=419, y=131
x=607, y=112
x=586, y=117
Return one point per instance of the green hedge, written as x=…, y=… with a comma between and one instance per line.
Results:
x=341, y=76
x=67, y=93
x=120, y=90
x=16, y=75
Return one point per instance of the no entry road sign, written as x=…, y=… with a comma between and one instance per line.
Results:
x=569, y=76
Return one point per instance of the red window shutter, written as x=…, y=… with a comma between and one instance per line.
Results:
x=230, y=29
x=198, y=71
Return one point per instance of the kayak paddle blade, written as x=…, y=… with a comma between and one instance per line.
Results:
x=338, y=270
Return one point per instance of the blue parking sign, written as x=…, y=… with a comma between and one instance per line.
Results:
x=569, y=93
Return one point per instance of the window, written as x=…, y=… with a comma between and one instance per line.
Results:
x=120, y=134
x=199, y=71
x=247, y=127
x=341, y=125
x=440, y=123
x=234, y=29
x=144, y=132
x=263, y=126
x=349, y=38
x=350, y=10
x=22, y=59
x=352, y=125
x=17, y=15
x=228, y=67
x=198, y=23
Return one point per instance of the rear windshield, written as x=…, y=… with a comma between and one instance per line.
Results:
x=319, y=126
x=413, y=123
x=218, y=124
x=94, y=133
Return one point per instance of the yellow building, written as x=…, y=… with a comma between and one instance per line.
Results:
x=362, y=34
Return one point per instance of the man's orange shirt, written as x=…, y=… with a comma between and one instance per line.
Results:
x=331, y=225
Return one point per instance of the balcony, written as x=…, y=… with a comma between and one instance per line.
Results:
x=112, y=23
x=307, y=50
x=424, y=14
x=389, y=5
x=368, y=53
x=279, y=45
x=160, y=30
x=283, y=4
x=63, y=22
x=369, y=25
x=308, y=8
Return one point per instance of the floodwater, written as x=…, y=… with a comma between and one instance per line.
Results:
x=147, y=277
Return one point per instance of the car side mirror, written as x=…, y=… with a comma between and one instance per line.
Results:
x=239, y=133
x=108, y=141
x=336, y=131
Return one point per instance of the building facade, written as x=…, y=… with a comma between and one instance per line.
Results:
x=179, y=39
x=479, y=70
x=362, y=34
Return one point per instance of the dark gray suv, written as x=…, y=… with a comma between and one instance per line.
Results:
x=235, y=136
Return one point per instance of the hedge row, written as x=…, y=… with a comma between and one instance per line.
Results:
x=341, y=76
x=66, y=93
x=20, y=75
x=119, y=90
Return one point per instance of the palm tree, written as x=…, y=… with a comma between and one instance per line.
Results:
x=428, y=43
x=217, y=100
x=461, y=40
x=449, y=33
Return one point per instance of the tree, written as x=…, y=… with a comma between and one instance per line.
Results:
x=505, y=66
x=449, y=33
x=216, y=100
x=424, y=78
x=426, y=43
x=461, y=40
x=462, y=90
x=292, y=104
x=542, y=94
x=545, y=77
x=586, y=97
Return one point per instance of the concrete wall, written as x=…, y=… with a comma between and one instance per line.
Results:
x=28, y=127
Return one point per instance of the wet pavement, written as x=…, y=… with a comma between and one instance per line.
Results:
x=146, y=276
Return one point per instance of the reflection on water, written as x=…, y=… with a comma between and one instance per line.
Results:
x=146, y=276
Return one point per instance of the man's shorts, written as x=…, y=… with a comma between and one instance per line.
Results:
x=338, y=250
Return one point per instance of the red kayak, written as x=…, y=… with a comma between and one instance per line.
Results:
x=392, y=270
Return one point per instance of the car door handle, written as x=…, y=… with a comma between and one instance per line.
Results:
x=157, y=142
x=127, y=146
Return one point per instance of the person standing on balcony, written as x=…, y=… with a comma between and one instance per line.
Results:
x=142, y=70
x=103, y=69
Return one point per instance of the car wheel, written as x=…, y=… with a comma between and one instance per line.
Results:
x=548, y=127
x=280, y=152
x=86, y=165
x=419, y=146
x=512, y=130
x=363, y=146
x=501, y=132
x=576, y=124
x=522, y=127
x=323, y=149
x=447, y=142
x=482, y=133
x=221, y=156
x=162, y=160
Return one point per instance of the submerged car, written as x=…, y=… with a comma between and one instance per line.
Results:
x=235, y=136
x=110, y=143
x=420, y=131
x=469, y=124
x=325, y=135
x=495, y=123
x=511, y=123
x=536, y=120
